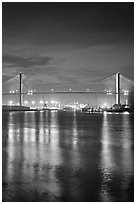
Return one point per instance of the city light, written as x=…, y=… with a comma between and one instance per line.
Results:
x=26, y=102
x=69, y=89
x=41, y=102
x=87, y=89
x=52, y=102
x=52, y=90
x=105, y=104
x=33, y=102
x=126, y=113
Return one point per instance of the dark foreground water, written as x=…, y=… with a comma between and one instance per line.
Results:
x=67, y=156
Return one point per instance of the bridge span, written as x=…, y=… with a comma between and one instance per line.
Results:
x=117, y=90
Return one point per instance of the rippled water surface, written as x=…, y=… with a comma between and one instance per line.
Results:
x=67, y=156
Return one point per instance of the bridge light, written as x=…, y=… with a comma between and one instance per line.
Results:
x=109, y=92
x=125, y=92
x=10, y=103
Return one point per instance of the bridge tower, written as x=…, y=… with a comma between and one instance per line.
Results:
x=117, y=88
x=20, y=89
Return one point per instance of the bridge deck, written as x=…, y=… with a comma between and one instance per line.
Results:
x=60, y=92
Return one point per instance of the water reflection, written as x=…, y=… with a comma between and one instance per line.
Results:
x=106, y=159
x=75, y=131
x=116, y=157
x=80, y=153
x=28, y=159
x=63, y=156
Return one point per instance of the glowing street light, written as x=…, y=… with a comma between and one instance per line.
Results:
x=69, y=89
x=52, y=102
x=41, y=102
x=33, y=102
x=52, y=90
x=26, y=102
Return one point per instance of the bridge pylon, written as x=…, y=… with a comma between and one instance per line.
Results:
x=20, y=89
x=117, y=88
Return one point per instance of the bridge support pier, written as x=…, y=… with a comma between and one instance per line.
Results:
x=117, y=88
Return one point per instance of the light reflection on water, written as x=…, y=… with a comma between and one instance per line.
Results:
x=117, y=155
x=63, y=156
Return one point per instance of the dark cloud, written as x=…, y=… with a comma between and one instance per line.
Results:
x=5, y=78
x=96, y=72
x=74, y=16
x=129, y=74
x=68, y=79
x=48, y=23
x=67, y=44
x=25, y=61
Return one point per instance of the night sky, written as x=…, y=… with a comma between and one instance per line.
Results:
x=67, y=45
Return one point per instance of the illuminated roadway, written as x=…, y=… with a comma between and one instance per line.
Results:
x=63, y=92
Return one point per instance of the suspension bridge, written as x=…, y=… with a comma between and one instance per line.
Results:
x=118, y=86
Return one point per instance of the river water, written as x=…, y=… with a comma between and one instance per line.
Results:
x=67, y=156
